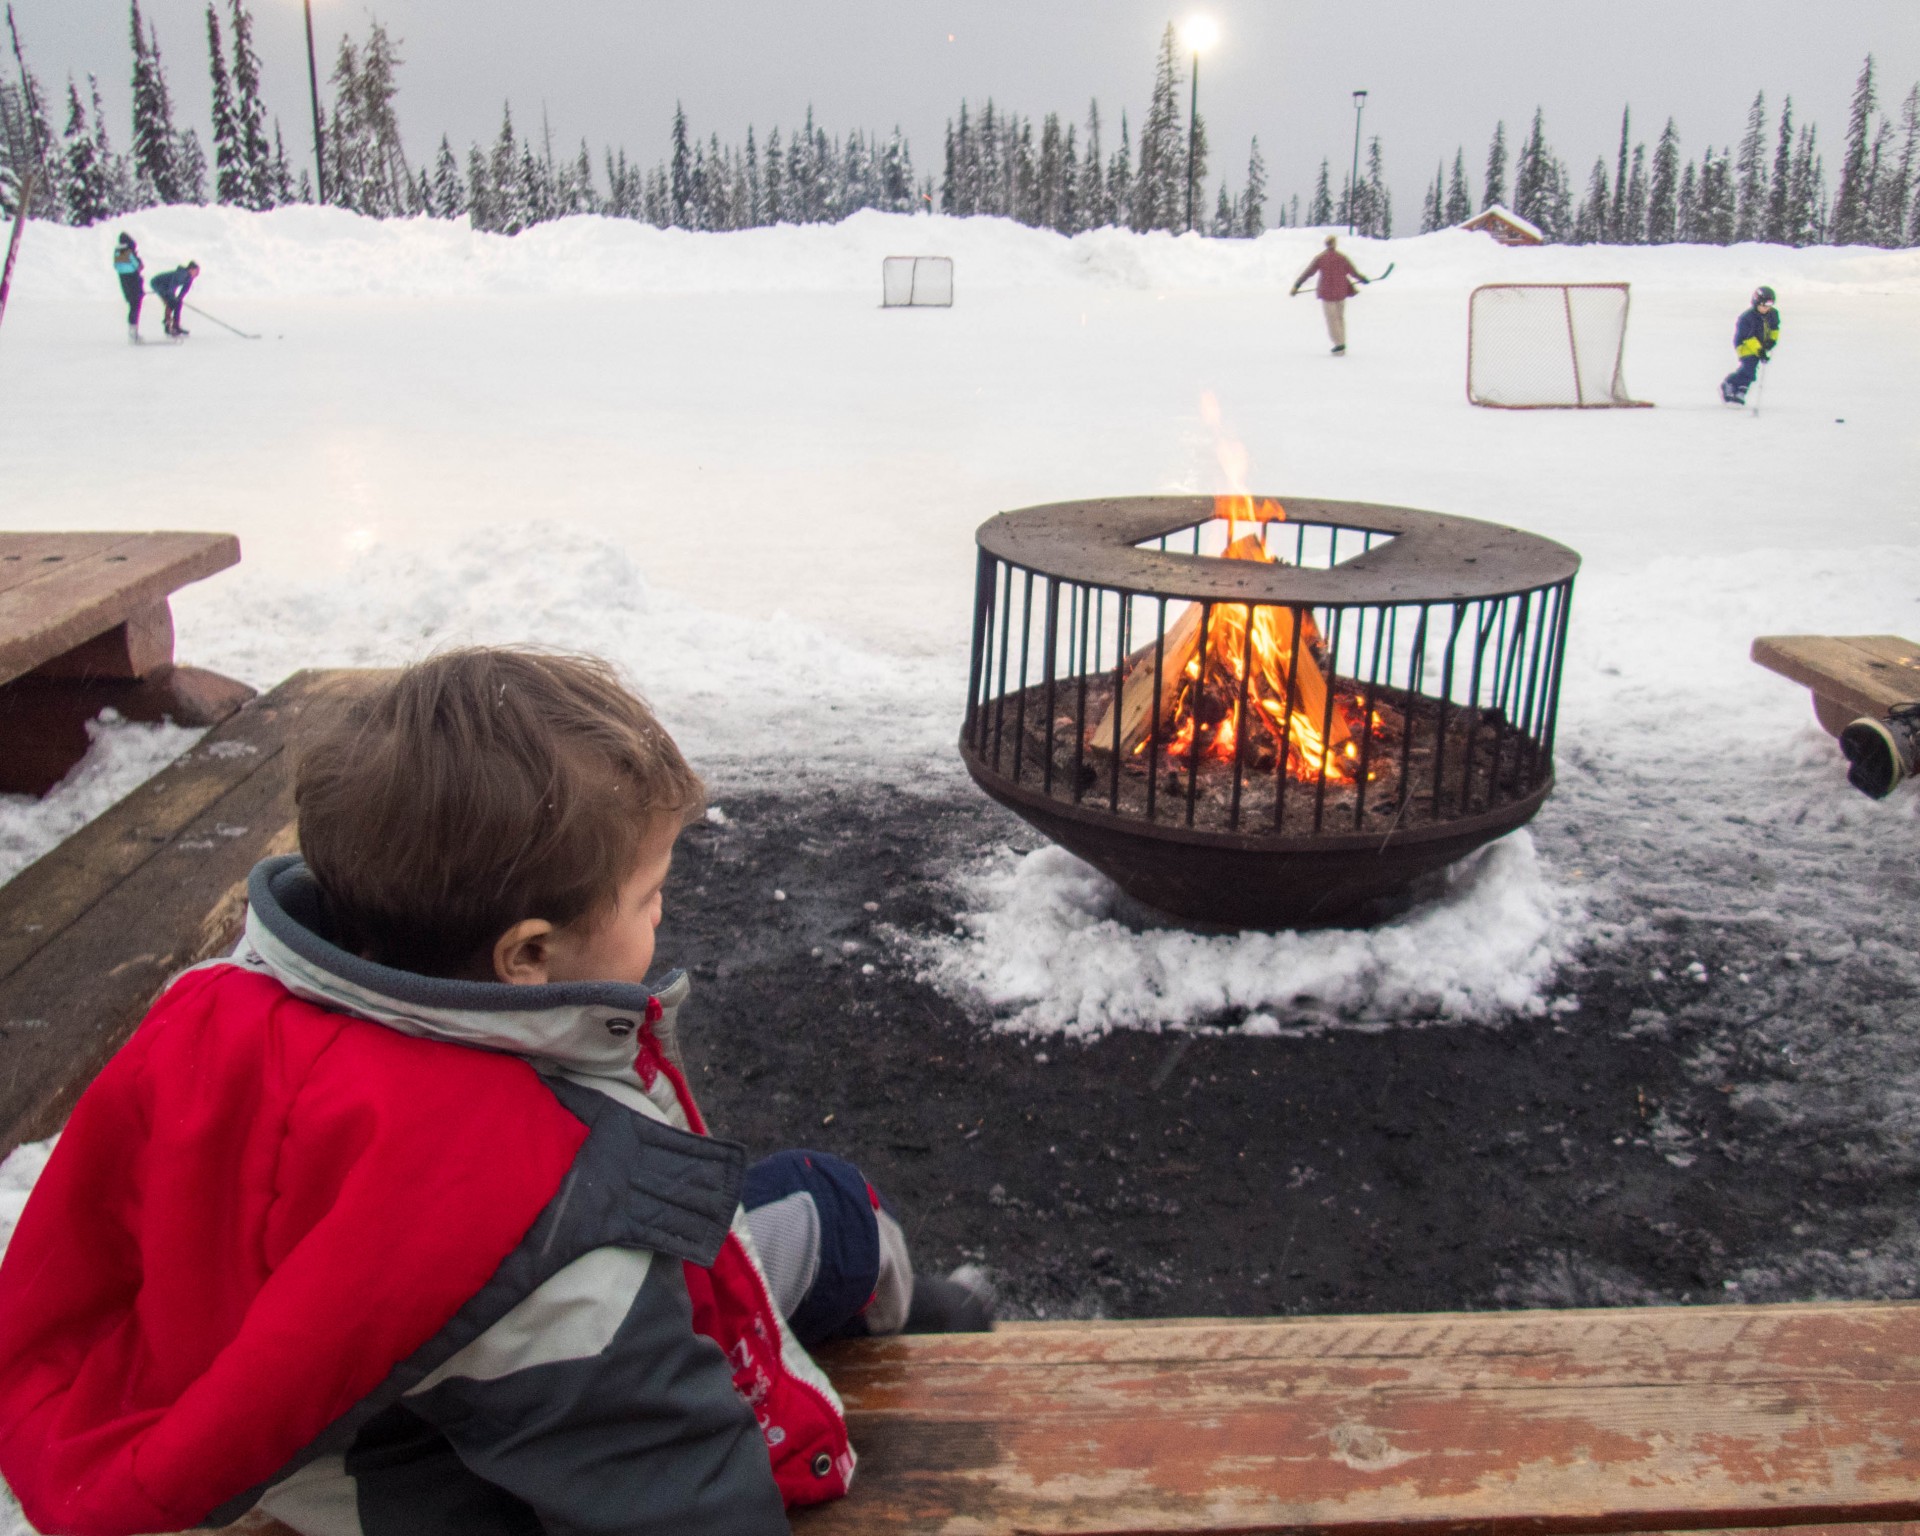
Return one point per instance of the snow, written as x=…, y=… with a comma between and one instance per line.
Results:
x=717, y=460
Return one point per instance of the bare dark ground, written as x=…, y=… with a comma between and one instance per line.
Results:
x=1635, y=1151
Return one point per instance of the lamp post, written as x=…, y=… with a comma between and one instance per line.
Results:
x=1199, y=34
x=1353, y=181
x=313, y=85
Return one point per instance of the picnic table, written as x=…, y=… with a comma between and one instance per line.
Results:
x=1848, y=675
x=85, y=626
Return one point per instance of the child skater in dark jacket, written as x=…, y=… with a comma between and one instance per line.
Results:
x=404, y=1218
x=1755, y=334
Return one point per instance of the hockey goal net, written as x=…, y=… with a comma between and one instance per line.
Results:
x=916, y=280
x=1540, y=346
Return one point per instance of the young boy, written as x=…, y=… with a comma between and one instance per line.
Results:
x=403, y=1219
x=1755, y=334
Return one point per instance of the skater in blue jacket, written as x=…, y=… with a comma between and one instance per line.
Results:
x=126, y=262
x=1755, y=334
x=172, y=288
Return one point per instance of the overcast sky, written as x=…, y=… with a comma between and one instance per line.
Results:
x=1439, y=75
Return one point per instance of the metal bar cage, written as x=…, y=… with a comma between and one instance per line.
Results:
x=1263, y=720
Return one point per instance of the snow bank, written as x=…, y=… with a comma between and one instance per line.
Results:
x=1040, y=950
x=19, y=1172
x=326, y=252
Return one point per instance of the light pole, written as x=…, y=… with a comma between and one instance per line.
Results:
x=1199, y=34
x=1353, y=181
x=313, y=85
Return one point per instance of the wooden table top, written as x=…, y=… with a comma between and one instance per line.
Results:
x=59, y=590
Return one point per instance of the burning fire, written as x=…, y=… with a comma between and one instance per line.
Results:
x=1269, y=687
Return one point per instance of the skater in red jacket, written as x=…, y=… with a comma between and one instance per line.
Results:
x=1339, y=281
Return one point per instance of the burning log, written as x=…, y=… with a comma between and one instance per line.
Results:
x=1205, y=685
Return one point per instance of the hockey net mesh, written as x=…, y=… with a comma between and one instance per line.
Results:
x=1535, y=345
x=916, y=280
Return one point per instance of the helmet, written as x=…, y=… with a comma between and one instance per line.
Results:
x=1763, y=295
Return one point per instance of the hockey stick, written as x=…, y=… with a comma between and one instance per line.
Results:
x=13, y=245
x=1384, y=275
x=218, y=321
x=1760, y=393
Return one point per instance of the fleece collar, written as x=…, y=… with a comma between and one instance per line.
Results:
x=588, y=1028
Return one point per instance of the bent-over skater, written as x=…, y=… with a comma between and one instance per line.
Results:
x=172, y=288
x=1339, y=281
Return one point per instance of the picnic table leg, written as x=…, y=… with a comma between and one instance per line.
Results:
x=129, y=668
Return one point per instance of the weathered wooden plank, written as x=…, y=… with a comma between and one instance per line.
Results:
x=1849, y=675
x=1680, y=1418
x=60, y=600
x=24, y=556
x=157, y=890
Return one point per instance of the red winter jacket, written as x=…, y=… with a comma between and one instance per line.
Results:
x=293, y=1236
x=1339, y=278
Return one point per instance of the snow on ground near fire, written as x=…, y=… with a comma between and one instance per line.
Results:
x=716, y=459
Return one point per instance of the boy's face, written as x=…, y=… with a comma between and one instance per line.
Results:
x=605, y=946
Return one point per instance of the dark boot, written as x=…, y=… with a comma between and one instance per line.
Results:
x=961, y=1303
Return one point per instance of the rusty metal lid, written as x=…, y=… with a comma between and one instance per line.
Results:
x=1431, y=557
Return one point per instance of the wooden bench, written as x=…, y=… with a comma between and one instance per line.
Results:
x=85, y=626
x=1637, y=1419
x=92, y=931
x=1850, y=675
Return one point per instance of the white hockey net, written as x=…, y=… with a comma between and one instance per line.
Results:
x=916, y=280
x=1537, y=346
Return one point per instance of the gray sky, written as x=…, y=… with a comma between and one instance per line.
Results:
x=1439, y=75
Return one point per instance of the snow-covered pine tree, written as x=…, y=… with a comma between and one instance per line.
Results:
x=345, y=153
x=1073, y=214
x=1750, y=211
x=1714, y=213
x=1159, y=194
x=481, y=212
x=250, y=115
x=1531, y=171
x=117, y=169
x=1118, y=202
x=190, y=167
x=1433, y=208
x=658, y=198
x=233, y=180
x=1193, y=162
x=155, y=141
x=1893, y=185
x=1253, y=200
x=88, y=192
x=387, y=175
x=582, y=196
x=38, y=147
x=1377, y=201
x=1594, y=219
x=896, y=173
x=802, y=173
x=1096, y=208
x=449, y=192
x=1320, y=210
x=776, y=178
x=1805, y=200
x=1024, y=174
x=682, y=170
x=1617, y=228
x=1223, y=226
x=756, y=194
x=1634, y=231
x=1686, y=220
x=1853, y=203
x=990, y=198
x=1459, y=196
x=507, y=201
x=1663, y=191
x=1052, y=187
x=1494, y=184
x=1776, y=227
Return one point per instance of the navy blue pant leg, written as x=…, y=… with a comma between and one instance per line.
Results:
x=1741, y=379
x=848, y=1269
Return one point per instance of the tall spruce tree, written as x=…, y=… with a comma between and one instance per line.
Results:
x=1376, y=200
x=1159, y=193
x=1494, y=184
x=156, y=144
x=1433, y=208
x=1663, y=190
x=1253, y=200
x=1223, y=226
x=1803, y=221
x=1594, y=221
x=1635, y=230
x=1119, y=199
x=682, y=170
x=1459, y=195
x=1532, y=174
x=1320, y=209
x=1096, y=206
x=33, y=133
x=88, y=190
x=1193, y=160
x=233, y=178
x=250, y=115
x=1686, y=204
x=1777, y=226
x=1853, y=203
x=449, y=191
x=1750, y=213
x=1894, y=177
x=190, y=167
x=1617, y=232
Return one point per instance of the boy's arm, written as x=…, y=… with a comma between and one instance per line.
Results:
x=596, y=1403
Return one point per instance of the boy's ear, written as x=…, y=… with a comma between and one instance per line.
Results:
x=523, y=953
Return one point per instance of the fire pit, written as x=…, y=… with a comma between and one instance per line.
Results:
x=1254, y=715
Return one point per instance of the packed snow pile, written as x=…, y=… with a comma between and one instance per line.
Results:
x=1040, y=949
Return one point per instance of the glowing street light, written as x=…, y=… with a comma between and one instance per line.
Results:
x=1199, y=33
x=1353, y=182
